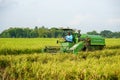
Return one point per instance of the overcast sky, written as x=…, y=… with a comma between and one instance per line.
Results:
x=86, y=15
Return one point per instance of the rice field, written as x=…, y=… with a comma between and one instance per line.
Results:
x=20, y=59
x=25, y=45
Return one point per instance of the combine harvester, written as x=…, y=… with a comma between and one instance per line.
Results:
x=81, y=42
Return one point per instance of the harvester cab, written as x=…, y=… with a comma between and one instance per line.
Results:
x=74, y=45
x=77, y=42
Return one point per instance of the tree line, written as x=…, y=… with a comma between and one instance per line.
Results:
x=44, y=32
x=41, y=32
x=106, y=34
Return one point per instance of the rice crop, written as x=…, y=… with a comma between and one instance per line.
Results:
x=89, y=65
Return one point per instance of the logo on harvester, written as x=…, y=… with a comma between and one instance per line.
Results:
x=98, y=40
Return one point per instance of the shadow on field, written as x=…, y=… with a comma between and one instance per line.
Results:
x=108, y=50
x=19, y=51
x=113, y=47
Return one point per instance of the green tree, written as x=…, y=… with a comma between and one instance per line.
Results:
x=106, y=33
x=93, y=33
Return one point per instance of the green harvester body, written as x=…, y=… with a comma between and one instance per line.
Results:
x=83, y=43
x=87, y=42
